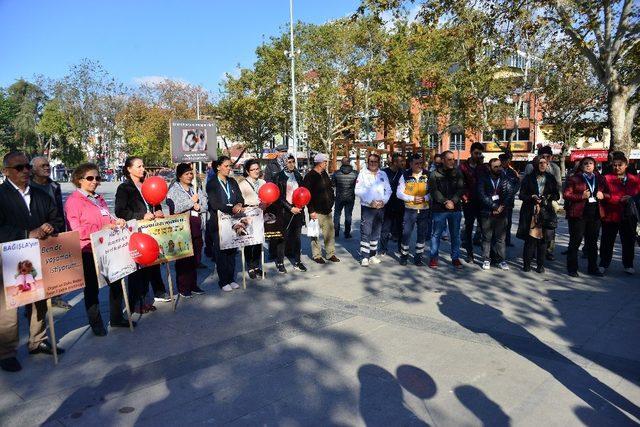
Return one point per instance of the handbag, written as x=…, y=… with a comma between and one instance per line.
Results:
x=313, y=228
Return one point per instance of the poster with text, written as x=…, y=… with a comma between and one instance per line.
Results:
x=111, y=253
x=33, y=270
x=173, y=234
x=22, y=273
x=61, y=259
x=244, y=229
x=193, y=141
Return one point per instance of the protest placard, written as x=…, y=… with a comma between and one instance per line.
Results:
x=33, y=270
x=244, y=229
x=193, y=141
x=111, y=253
x=173, y=234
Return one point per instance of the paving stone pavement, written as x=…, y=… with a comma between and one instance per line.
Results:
x=346, y=345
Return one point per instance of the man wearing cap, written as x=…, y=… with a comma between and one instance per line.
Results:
x=412, y=189
x=318, y=182
x=545, y=152
x=275, y=166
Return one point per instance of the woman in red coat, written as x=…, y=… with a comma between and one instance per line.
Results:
x=585, y=190
x=623, y=187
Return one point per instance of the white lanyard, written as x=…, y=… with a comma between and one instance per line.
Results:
x=591, y=183
x=495, y=185
x=226, y=189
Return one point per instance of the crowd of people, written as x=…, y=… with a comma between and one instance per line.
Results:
x=407, y=196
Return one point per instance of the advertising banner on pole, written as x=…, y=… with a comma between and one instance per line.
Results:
x=193, y=141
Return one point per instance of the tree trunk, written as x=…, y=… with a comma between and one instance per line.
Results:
x=621, y=117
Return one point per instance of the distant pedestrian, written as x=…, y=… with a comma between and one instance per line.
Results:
x=250, y=187
x=512, y=176
x=413, y=190
x=473, y=169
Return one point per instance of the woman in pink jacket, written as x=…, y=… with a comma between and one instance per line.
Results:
x=87, y=212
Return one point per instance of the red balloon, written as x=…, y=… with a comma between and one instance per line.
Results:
x=143, y=248
x=269, y=193
x=301, y=197
x=154, y=190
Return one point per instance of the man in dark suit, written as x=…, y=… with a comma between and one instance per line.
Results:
x=25, y=212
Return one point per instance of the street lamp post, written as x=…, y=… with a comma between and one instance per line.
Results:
x=292, y=56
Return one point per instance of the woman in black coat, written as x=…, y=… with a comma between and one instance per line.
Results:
x=288, y=180
x=130, y=204
x=224, y=195
x=538, y=218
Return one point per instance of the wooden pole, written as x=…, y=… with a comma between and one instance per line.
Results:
x=52, y=331
x=170, y=280
x=244, y=278
x=262, y=259
x=126, y=304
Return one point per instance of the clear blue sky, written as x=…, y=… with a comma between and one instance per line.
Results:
x=196, y=41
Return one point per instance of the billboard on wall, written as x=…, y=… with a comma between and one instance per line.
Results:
x=193, y=141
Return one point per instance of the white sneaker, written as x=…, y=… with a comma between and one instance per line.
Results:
x=364, y=262
x=504, y=265
x=630, y=270
x=234, y=285
x=375, y=260
x=602, y=269
x=486, y=265
x=227, y=288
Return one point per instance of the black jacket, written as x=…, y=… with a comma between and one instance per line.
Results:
x=528, y=188
x=321, y=189
x=57, y=194
x=505, y=191
x=271, y=170
x=16, y=221
x=446, y=185
x=344, y=181
x=394, y=204
x=130, y=204
x=217, y=199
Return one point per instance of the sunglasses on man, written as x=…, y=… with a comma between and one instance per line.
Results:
x=20, y=168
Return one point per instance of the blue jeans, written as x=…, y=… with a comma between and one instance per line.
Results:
x=413, y=217
x=347, y=205
x=370, y=227
x=440, y=220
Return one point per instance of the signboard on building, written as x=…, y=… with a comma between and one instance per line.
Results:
x=516, y=146
x=193, y=141
x=598, y=155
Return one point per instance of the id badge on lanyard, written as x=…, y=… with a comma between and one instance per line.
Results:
x=495, y=185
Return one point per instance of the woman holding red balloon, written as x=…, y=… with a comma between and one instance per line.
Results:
x=131, y=204
x=87, y=212
x=250, y=188
x=184, y=198
x=224, y=195
x=289, y=181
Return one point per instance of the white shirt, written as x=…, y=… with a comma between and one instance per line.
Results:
x=26, y=195
x=370, y=187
